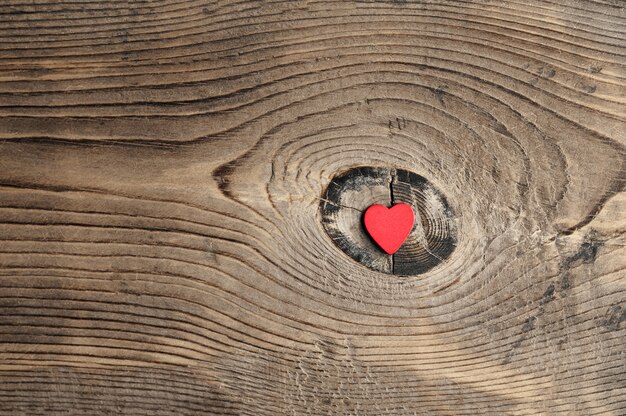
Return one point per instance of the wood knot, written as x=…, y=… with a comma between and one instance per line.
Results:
x=434, y=234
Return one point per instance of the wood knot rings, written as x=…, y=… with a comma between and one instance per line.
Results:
x=431, y=240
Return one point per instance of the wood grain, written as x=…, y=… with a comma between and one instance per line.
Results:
x=348, y=195
x=161, y=169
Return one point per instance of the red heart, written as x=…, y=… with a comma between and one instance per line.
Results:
x=389, y=227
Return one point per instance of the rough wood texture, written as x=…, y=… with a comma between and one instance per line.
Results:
x=348, y=195
x=161, y=168
x=342, y=205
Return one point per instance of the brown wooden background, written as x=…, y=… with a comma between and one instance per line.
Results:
x=161, y=168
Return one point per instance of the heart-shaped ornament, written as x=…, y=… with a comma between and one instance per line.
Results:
x=389, y=227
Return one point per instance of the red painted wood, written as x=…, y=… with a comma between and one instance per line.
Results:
x=389, y=227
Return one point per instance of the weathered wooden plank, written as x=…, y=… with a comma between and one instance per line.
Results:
x=162, y=166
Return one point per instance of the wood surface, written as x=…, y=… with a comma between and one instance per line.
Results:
x=162, y=249
x=432, y=238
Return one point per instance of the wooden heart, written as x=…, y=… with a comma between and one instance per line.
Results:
x=389, y=227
